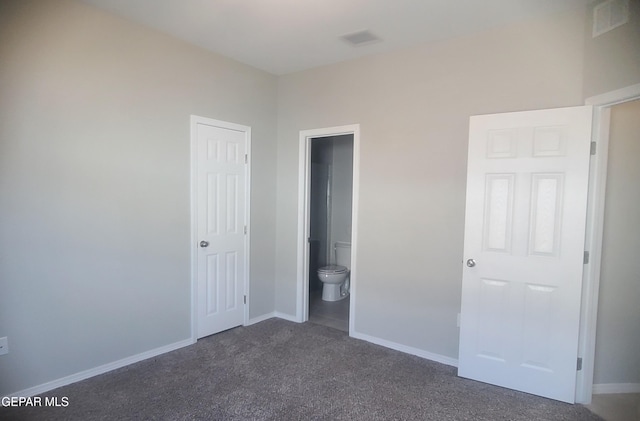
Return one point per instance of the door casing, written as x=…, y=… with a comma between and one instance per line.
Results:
x=304, y=179
x=195, y=120
x=595, y=228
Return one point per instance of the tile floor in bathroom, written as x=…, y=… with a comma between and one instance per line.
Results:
x=334, y=314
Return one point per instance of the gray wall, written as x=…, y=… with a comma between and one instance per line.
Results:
x=413, y=108
x=618, y=330
x=94, y=185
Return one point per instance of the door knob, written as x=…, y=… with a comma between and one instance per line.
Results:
x=204, y=243
x=471, y=263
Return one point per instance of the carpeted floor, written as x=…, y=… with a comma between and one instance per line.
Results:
x=278, y=370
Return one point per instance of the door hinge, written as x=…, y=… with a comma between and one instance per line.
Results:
x=245, y=299
x=585, y=259
x=245, y=230
x=246, y=158
x=593, y=148
x=579, y=366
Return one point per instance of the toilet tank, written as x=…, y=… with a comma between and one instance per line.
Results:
x=343, y=254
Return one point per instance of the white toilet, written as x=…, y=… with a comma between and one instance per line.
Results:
x=335, y=284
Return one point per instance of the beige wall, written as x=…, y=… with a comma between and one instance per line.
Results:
x=612, y=60
x=618, y=330
x=94, y=185
x=413, y=107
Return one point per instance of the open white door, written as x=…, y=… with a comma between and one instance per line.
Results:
x=221, y=223
x=524, y=239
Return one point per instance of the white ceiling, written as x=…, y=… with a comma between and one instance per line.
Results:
x=284, y=36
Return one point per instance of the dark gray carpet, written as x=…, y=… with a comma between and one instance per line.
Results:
x=278, y=370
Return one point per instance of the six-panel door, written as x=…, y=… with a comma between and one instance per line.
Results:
x=525, y=229
x=221, y=265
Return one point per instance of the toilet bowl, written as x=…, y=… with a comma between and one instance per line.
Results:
x=335, y=278
x=332, y=277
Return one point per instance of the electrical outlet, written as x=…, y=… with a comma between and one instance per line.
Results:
x=4, y=345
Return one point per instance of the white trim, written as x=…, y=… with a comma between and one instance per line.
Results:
x=354, y=227
x=193, y=158
x=593, y=243
x=619, y=96
x=595, y=227
x=372, y=339
x=304, y=157
x=262, y=318
x=247, y=223
x=83, y=375
x=442, y=359
x=195, y=120
x=285, y=316
x=607, y=388
x=273, y=315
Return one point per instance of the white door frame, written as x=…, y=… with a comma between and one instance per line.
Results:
x=595, y=226
x=304, y=177
x=195, y=120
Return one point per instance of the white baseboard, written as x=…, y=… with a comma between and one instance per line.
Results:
x=261, y=318
x=273, y=314
x=406, y=349
x=607, y=388
x=286, y=317
x=83, y=375
x=382, y=342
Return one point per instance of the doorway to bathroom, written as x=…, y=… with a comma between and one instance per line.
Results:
x=330, y=197
x=327, y=226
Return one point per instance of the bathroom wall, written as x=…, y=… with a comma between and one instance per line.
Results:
x=320, y=211
x=332, y=161
x=341, y=189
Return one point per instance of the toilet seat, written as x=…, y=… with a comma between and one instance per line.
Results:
x=332, y=270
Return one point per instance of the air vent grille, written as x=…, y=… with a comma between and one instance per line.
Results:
x=610, y=15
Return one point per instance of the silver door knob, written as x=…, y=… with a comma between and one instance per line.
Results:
x=471, y=263
x=204, y=243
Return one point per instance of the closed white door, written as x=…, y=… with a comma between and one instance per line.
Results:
x=221, y=218
x=524, y=249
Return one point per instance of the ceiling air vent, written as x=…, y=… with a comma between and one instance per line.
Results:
x=609, y=15
x=360, y=38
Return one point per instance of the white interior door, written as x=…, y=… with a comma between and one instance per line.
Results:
x=524, y=249
x=221, y=218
